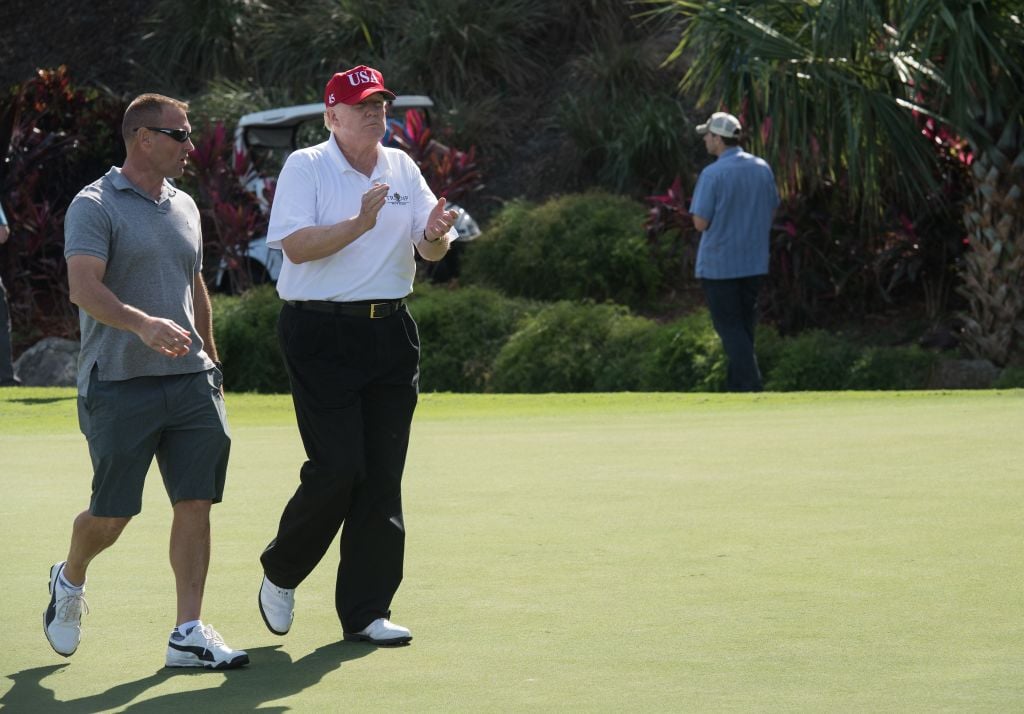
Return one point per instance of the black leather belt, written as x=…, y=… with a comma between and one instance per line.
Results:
x=372, y=309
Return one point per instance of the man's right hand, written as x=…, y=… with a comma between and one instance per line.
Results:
x=165, y=336
x=373, y=201
x=316, y=242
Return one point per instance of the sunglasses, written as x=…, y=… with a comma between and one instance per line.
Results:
x=179, y=135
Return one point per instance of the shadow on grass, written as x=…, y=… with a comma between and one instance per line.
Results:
x=271, y=675
x=30, y=401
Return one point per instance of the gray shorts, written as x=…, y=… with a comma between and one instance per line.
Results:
x=180, y=419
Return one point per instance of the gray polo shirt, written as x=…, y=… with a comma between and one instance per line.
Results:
x=153, y=251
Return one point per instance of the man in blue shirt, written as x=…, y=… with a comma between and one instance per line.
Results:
x=733, y=206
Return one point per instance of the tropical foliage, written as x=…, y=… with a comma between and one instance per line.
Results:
x=584, y=246
x=895, y=130
x=836, y=94
x=56, y=137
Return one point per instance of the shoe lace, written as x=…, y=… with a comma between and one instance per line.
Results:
x=212, y=636
x=72, y=607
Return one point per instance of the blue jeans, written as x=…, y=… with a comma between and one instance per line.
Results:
x=733, y=307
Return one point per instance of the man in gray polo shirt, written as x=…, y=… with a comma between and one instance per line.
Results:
x=733, y=205
x=148, y=380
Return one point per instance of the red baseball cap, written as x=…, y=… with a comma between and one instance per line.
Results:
x=354, y=85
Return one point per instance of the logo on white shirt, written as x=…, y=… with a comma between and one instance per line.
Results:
x=397, y=199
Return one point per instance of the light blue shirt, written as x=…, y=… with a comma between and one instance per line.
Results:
x=737, y=196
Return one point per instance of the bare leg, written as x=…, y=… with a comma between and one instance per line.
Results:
x=90, y=536
x=190, y=555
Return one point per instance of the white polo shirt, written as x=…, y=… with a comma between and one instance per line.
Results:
x=318, y=187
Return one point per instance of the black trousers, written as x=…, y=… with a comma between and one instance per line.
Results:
x=733, y=307
x=354, y=386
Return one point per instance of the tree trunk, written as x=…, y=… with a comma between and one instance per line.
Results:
x=993, y=269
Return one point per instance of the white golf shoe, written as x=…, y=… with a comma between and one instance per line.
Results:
x=277, y=605
x=381, y=632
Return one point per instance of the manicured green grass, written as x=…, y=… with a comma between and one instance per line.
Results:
x=784, y=552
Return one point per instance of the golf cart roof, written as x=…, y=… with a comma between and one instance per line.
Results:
x=284, y=117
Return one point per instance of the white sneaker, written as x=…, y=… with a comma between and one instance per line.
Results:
x=381, y=632
x=277, y=605
x=203, y=647
x=62, y=621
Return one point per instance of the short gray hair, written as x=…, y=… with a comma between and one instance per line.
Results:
x=146, y=109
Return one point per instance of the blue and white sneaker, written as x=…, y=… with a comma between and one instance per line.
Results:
x=62, y=621
x=203, y=647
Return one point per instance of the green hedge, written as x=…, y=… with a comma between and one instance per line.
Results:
x=478, y=340
x=820, y=361
x=687, y=356
x=245, y=330
x=461, y=333
x=892, y=368
x=576, y=247
x=575, y=347
x=812, y=361
x=1011, y=378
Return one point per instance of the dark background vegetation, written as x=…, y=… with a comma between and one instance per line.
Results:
x=554, y=99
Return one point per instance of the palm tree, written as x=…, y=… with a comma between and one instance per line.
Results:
x=838, y=87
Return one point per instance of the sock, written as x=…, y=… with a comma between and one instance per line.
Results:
x=186, y=627
x=68, y=586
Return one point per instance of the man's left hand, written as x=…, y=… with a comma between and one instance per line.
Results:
x=439, y=221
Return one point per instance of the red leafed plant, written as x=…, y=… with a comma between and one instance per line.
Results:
x=233, y=215
x=451, y=173
x=56, y=138
x=670, y=231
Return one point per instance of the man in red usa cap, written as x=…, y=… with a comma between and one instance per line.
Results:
x=349, y=215
x=355, y=85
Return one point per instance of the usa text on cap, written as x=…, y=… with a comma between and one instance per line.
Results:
x=354, y=85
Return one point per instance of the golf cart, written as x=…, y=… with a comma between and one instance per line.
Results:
x=269, y=136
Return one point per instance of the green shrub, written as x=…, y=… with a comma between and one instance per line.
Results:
x=461, y=333
x=629, y=135
x=628, y=140
x=187, y=42
x=583, y=246
x=812, y=361
x=626, y=363
x=892, y=368
x=1010, y=378
x=687, y=356
x=245, y=329
x=768, y=347
x=455, y=47
x=574, y=347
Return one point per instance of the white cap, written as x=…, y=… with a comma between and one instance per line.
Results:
x=722, y=124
